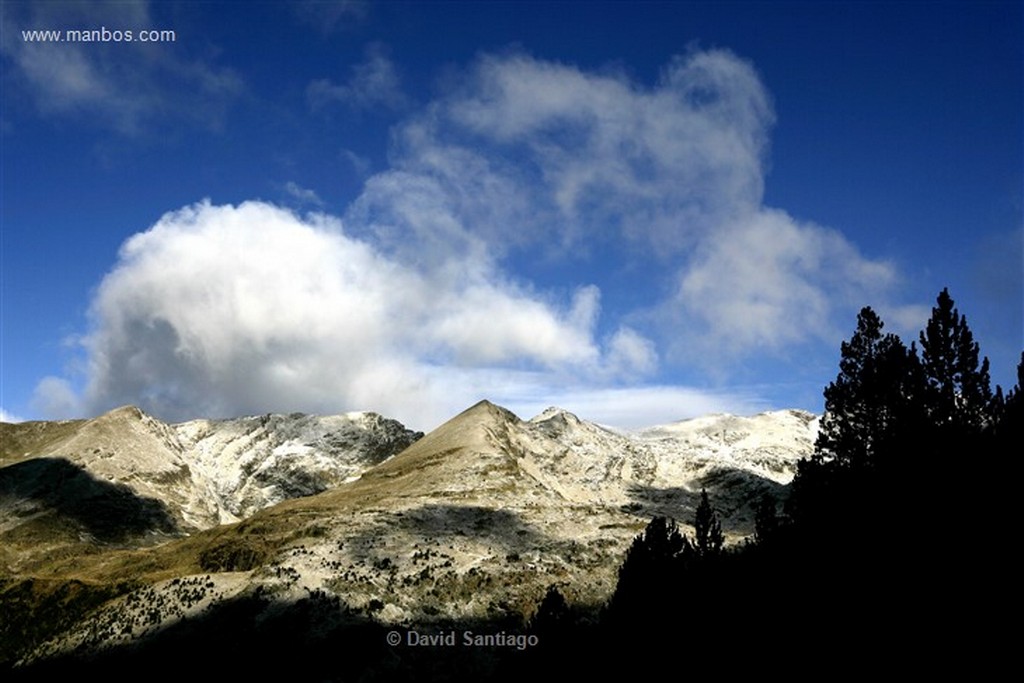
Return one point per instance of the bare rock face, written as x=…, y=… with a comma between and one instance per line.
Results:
x=475, y=520
x=250, y=463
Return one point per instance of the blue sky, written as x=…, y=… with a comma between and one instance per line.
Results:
x=637, y=211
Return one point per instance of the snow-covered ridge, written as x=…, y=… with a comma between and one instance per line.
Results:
x=210, y=472
x=768, y=444
x=662, y=467
x=253, y=462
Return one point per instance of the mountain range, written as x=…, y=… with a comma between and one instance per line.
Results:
x=118, y=528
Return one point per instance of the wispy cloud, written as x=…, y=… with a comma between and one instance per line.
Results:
x=360, y=165
x=328, y=17
x=129, y=87
x=373, y=83
x=55, y=397
x=303, y=194
x=768, y=281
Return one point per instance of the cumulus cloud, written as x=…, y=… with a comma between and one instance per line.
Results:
x=222, y=310
x=127, y=86
x=542, y=235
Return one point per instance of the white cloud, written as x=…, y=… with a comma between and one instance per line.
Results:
x=373, y=83
x=221, y=310
x=484, y=324
x=905, y=321
x=631, y=354
x=657, y=164
x=769, y=282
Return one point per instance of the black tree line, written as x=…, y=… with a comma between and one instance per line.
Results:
x=885, y=524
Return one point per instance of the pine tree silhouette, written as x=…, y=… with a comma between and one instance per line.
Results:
x=552, y=614
x=959, y=396
x=650, y=571
x=871, y=400
x=708, y=530
x=1010, y=415
x=766, y=519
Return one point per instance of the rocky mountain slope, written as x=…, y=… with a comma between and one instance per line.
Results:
x=129, y=478
x=254, y=462
x=473, y=521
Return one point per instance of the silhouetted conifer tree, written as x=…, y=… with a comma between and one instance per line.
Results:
x=649, y=574
x=871, y=399
x=766, y=519
x=895, y=424
x=552, y=614
x=708, y=530
x=1010, y=413
x=959, y=395
x=873, y=413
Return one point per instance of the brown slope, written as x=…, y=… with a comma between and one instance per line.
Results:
x=22, y=440
x=77, y=487
x=124, y=446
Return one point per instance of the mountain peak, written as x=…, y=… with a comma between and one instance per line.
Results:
x=129, y=411
x=485, y=407
x=553, y=412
